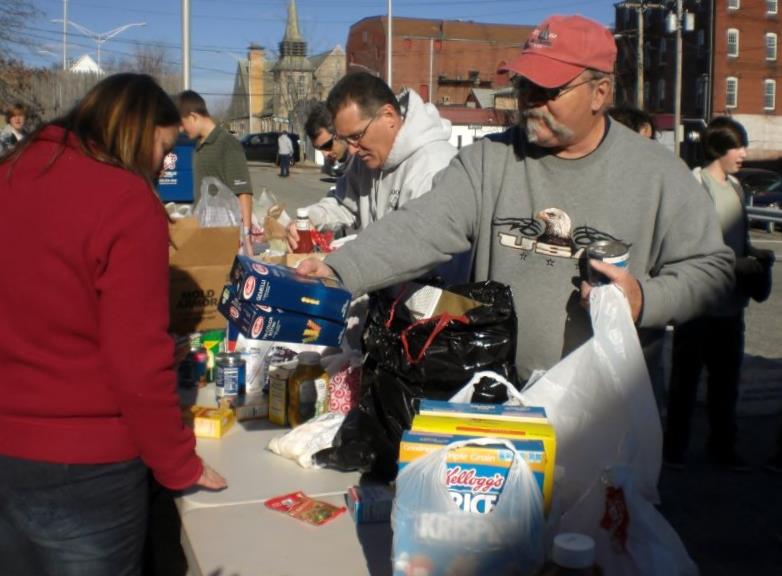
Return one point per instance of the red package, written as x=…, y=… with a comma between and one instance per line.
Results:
x=321, y=240
x=344, y=389
x=300, y=506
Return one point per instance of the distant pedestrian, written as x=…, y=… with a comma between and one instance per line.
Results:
x=217, y=154
x=14, y=130
x=716, y=340
x=84, y=418
x=284, y=153
x=638, y=120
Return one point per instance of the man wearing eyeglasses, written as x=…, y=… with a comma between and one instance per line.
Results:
x=528, y=202
x=398, y=146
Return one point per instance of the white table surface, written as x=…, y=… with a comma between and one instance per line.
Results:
x=251, y=540
x=254, y=473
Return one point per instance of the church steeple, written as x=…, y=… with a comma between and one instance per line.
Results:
x=292, y=43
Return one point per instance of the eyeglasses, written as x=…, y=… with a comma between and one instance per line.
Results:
x=531, y=92
x=355, y=139
x=326, y=146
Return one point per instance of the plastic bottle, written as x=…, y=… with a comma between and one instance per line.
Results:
x=572, y=555
x=307, y=390
x=303, y=230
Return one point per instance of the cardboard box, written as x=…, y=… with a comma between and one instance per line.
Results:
x=199, y=263
x=281, y=287
x=510, y=429
x=428, y=301
x=475, y=475
x=370, y=503
x=209, y=422
x=485, y=411
x=259, y=322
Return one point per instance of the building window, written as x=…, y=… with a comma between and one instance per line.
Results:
x=771, y=46
x=364, y=36
x=734, y=4
x=771, y=7
x=733, y=42
x=661, y=92
x=731, y=92
x=769, y=94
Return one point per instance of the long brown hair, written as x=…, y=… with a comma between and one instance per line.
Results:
x=115, y=123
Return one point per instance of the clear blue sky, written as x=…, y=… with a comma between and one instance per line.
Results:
x=220, y=28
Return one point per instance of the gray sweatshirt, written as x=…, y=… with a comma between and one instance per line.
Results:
x=528, y=215
x=363, y=195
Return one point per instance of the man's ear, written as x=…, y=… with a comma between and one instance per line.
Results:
x=601, y=95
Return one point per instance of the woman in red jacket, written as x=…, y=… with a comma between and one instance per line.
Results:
x=88, y=395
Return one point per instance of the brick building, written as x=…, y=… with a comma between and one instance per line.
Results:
x=442, y=60
x=730, y=66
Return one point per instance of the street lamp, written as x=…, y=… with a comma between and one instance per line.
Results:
x=677, y=22
x=101, y=38
x=389, y=47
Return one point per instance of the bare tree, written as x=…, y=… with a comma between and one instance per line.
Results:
x=14, y=15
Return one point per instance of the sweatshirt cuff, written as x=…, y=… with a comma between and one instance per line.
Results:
x=317, y=217
x=651, y=306
x=183, y=477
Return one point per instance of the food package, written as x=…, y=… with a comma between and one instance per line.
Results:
x=210, y=422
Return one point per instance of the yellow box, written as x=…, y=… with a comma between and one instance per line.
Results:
x=510, y=429
x=211, y=422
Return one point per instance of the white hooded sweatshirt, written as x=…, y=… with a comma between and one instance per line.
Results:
x=364, y=195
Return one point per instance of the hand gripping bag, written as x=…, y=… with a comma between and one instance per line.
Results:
x=433, y=536
x=599, y=399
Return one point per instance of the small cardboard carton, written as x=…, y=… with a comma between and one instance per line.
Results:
x=475, y=475
x=425, y=301
x=199, y=262
x=260, y=322
x=484, y=411
x=209, y=422
x=281, y=287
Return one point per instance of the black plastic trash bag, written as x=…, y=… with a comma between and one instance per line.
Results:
x=408, y=360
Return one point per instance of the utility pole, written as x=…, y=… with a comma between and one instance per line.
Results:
x=640, y=7
x=185, y=44
x=389, y=47
x=677, y=97
x=64, y=35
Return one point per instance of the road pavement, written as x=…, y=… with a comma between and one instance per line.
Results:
x=730, y=523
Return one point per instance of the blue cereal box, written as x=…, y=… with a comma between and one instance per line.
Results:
x=281, y=287
x=260, y=322
x=475, y=475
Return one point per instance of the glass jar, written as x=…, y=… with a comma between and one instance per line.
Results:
x=307, y=390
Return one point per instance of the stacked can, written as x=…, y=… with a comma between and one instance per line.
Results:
x=230, y=376
x=192, y=370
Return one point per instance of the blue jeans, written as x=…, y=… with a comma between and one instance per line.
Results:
x=285, y=162
x=72, y=519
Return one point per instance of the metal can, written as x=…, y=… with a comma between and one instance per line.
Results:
x=192, y=370
x=609, y=251
x=230, y=374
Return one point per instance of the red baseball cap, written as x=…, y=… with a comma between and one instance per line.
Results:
x=562, y=47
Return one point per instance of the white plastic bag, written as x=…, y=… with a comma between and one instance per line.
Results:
x=433, y=536
x=631, y=537
x=217, y=205
x=303, y=441
x=465, y=394
x=600, y=401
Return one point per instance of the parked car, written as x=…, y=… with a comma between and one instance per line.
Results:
x=763, y=188
x=262, y=146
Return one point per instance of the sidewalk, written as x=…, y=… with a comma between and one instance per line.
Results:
x=730, y=523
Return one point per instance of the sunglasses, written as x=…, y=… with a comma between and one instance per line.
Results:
x=355, y=139
x=326, y=146
x=531, y=92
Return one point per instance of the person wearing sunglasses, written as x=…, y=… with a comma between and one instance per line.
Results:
x=528, y=201
x=319, y=128
x=397, y=144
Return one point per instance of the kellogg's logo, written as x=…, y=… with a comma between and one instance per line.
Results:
x=261, y=269
x=257, y=327
x=458, y=477
x=248, y=288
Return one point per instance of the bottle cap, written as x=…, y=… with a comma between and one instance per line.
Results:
x=302, y=213
x=309, y=358
x=572, y=550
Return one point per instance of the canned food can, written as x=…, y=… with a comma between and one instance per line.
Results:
x=230, y=374
x=609, y=251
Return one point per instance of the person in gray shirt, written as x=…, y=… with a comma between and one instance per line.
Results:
x=528, y=202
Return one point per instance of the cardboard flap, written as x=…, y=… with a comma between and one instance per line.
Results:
x=192, y=245
x=429, y=301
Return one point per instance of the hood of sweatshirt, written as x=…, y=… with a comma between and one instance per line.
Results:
x=422, y=125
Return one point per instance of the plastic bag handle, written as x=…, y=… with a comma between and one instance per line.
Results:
x=442, y=322
x=394, y=304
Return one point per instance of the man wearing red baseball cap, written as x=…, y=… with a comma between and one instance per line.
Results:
x=528, y=202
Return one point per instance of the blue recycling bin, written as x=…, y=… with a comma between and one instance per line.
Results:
x=175, y=183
